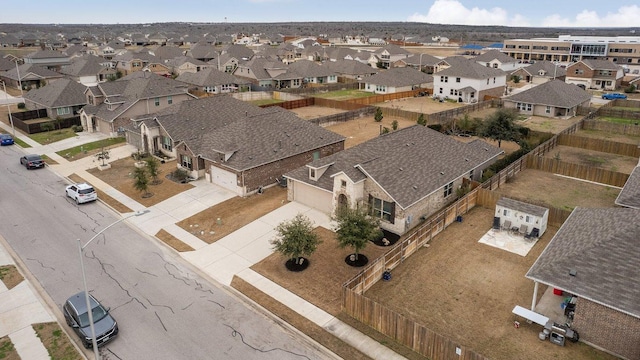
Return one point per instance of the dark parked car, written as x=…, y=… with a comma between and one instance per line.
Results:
x=613, y=96
x=76, y=315
x=32, y=161
x=6, y=139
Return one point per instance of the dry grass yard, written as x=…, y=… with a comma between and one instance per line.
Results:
x=421, y=104
x=362, y=129
x=312, y=112
x=612, y=162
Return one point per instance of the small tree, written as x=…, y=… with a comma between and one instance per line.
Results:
x=48, y=126
x=378, y=116
x=500, y=126
x=103, y=155
x=153, y=168
x=394, y=125
x=385, y=130
x=58, y=122
x=296, y=239
x=355, y=228
x=141, y=181
x=421, y=120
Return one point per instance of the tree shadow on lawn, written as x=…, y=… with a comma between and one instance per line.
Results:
x=321, y=283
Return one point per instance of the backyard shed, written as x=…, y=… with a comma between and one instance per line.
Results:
x=514, y=214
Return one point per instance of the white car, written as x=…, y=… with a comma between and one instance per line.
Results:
x=81, y=193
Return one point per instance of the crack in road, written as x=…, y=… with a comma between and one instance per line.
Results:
x=41, y=264
x=235, y=333
x=188, y=306
x=187, y=281
x=146, y=272
x=103, y=266
x=107, y=356
x=159, y=319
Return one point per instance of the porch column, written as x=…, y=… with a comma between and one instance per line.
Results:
x=535, y=295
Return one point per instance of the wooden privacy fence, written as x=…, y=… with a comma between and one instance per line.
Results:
x=601, y=145
x=29, y=114
x=293, y=104
x=405, y=331
x=387, y=97
x=343, y=117
x=627, y=129
x=584, y=172
x=632, y=115
x=335, y=104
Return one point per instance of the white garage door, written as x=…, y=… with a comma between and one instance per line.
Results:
x=226, y=179
x=312, y=197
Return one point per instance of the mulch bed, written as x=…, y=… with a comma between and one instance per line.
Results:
x=359, y=261
x=390, y=237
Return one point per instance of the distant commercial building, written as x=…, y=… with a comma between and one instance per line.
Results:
x=622, y=50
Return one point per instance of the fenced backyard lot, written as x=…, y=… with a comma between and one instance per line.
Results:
x=466, y=291
x=421, y=104
x=602, y=160
x=312, y=112
x=359, y=130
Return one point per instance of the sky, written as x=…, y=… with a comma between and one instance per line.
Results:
x=534, y=13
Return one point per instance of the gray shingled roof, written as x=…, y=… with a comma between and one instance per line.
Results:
x=548, y=67
x=553, y=93
x=255, y=135
x=31, y=71
x=210, y=77
x=46, y=54
x=84, y=66
x=601, y=64
x=491, y=55
x=409, y=164
x=469, y=69
x=399, y=77
x=422, y=59
x=603, y=247
x=630, y=194
x=59, y=93
x=350, y=67
x=522, y=207
x=307, y=68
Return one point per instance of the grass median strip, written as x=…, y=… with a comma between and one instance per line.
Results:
x=173, y=241
x=87, y=149
x=10, y=276
x=7, y=350
x=56, y=342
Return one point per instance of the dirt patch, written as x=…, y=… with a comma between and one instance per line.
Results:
x=233, y=214
x=7, y=350
x=102, y=196
x=173, y=241
x=321, y=283
x=120, y=177
x=548, y=125
x=10, y=276
x=298, y=321
x=466, y=291
x=612, y=162
x=359, y=130
x=56, y=341
x=558, y=191
x=437, y=51
x=312, y=112
x=423, y=104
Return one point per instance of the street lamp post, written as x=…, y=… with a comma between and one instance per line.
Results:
x=81, y=247
x=19, y=80
x=6, y=95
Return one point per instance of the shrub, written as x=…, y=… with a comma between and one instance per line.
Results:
x=21, y=106
x=394, y=125
x=180, y=175
x=378, y=116
x=515, y=79
x=630, y=89
x=436, y=127
x=421, y=120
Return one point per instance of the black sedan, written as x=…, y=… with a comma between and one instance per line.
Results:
x=32, y=161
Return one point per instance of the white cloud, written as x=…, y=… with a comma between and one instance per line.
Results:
x=626, y=16
x=453, y=12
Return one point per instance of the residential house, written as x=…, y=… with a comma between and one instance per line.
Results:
x=130, y=62
x=551, y=99
x=30, y=76
x=312, y=73
x=168, y=52
x=186, y=64
x=111, y=105
x=425, y=62
x=396, y=80
x=514, y=214
x=403, y=176
x=204, y=52
x=62, y=98
x=50, y=59
x=260, y=71
x=225, y=62
x=469, y=82
x=212, y=81
x=334, y=53
x=387, y=55
x=595, y=74
x=89, y=70
x=594, y=257
x=239, y=52
x=350, y=69
x=540, y=72
x=234, y=144
x=629, y=196
x=498, y=60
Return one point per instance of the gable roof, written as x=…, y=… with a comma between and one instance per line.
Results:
x=84, y=66
x=600, y=64
x=403, y=163
x=60, y=93
x=307, y=68
x=495, y=55
x=603, y=247
x=422, y=59
x=31, y=72
x=350, y=67
x=256, y=136
x=210, y=77
x=630, y=194
x=46, y=54
x=522, y=206
x=552, y=93
x=469, y=69
x=392, y=49
x=550, y=69
x=398, y=77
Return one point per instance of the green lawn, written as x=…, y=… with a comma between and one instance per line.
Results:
x=71, y=152
x=344, y=94
x=52, y=136
x=617, y=120
x=21, y=143
x=265, y=102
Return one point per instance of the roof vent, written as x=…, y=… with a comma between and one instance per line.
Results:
x=415, y=187
x=572, y=272
x=401, y=169
x=441, y=172
x=465, y=159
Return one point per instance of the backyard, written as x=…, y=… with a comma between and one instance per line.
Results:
x=422, y=104
x=359, y=130
x=613, y=162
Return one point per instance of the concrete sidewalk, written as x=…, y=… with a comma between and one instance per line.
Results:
x=232, y=255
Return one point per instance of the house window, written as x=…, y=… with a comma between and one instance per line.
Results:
x=471, y=174
x=472, y=94
x=169, y=100
x=185, y=161
x=166, y=143
x=440, y=90
x=63, y=111
x=523, y=107
x=444, y=78
x=494, y=80
x=312, y=173
x=527, y=219
x=457, y=80
x=495, y=66
x=157, y=101
x=296, y=82
x=343, y=184
x=382, y=209
x=579, y=72
x=448, y=189
x=548, y=110
x=505, y=212
x=487, y=81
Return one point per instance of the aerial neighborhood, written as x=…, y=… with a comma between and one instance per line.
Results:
x=451, y=199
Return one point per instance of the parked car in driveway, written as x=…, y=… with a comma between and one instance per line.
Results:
x=6, y=139
x=81, y=193
x=76, y=315
x=32, y=161
x=613, y=96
